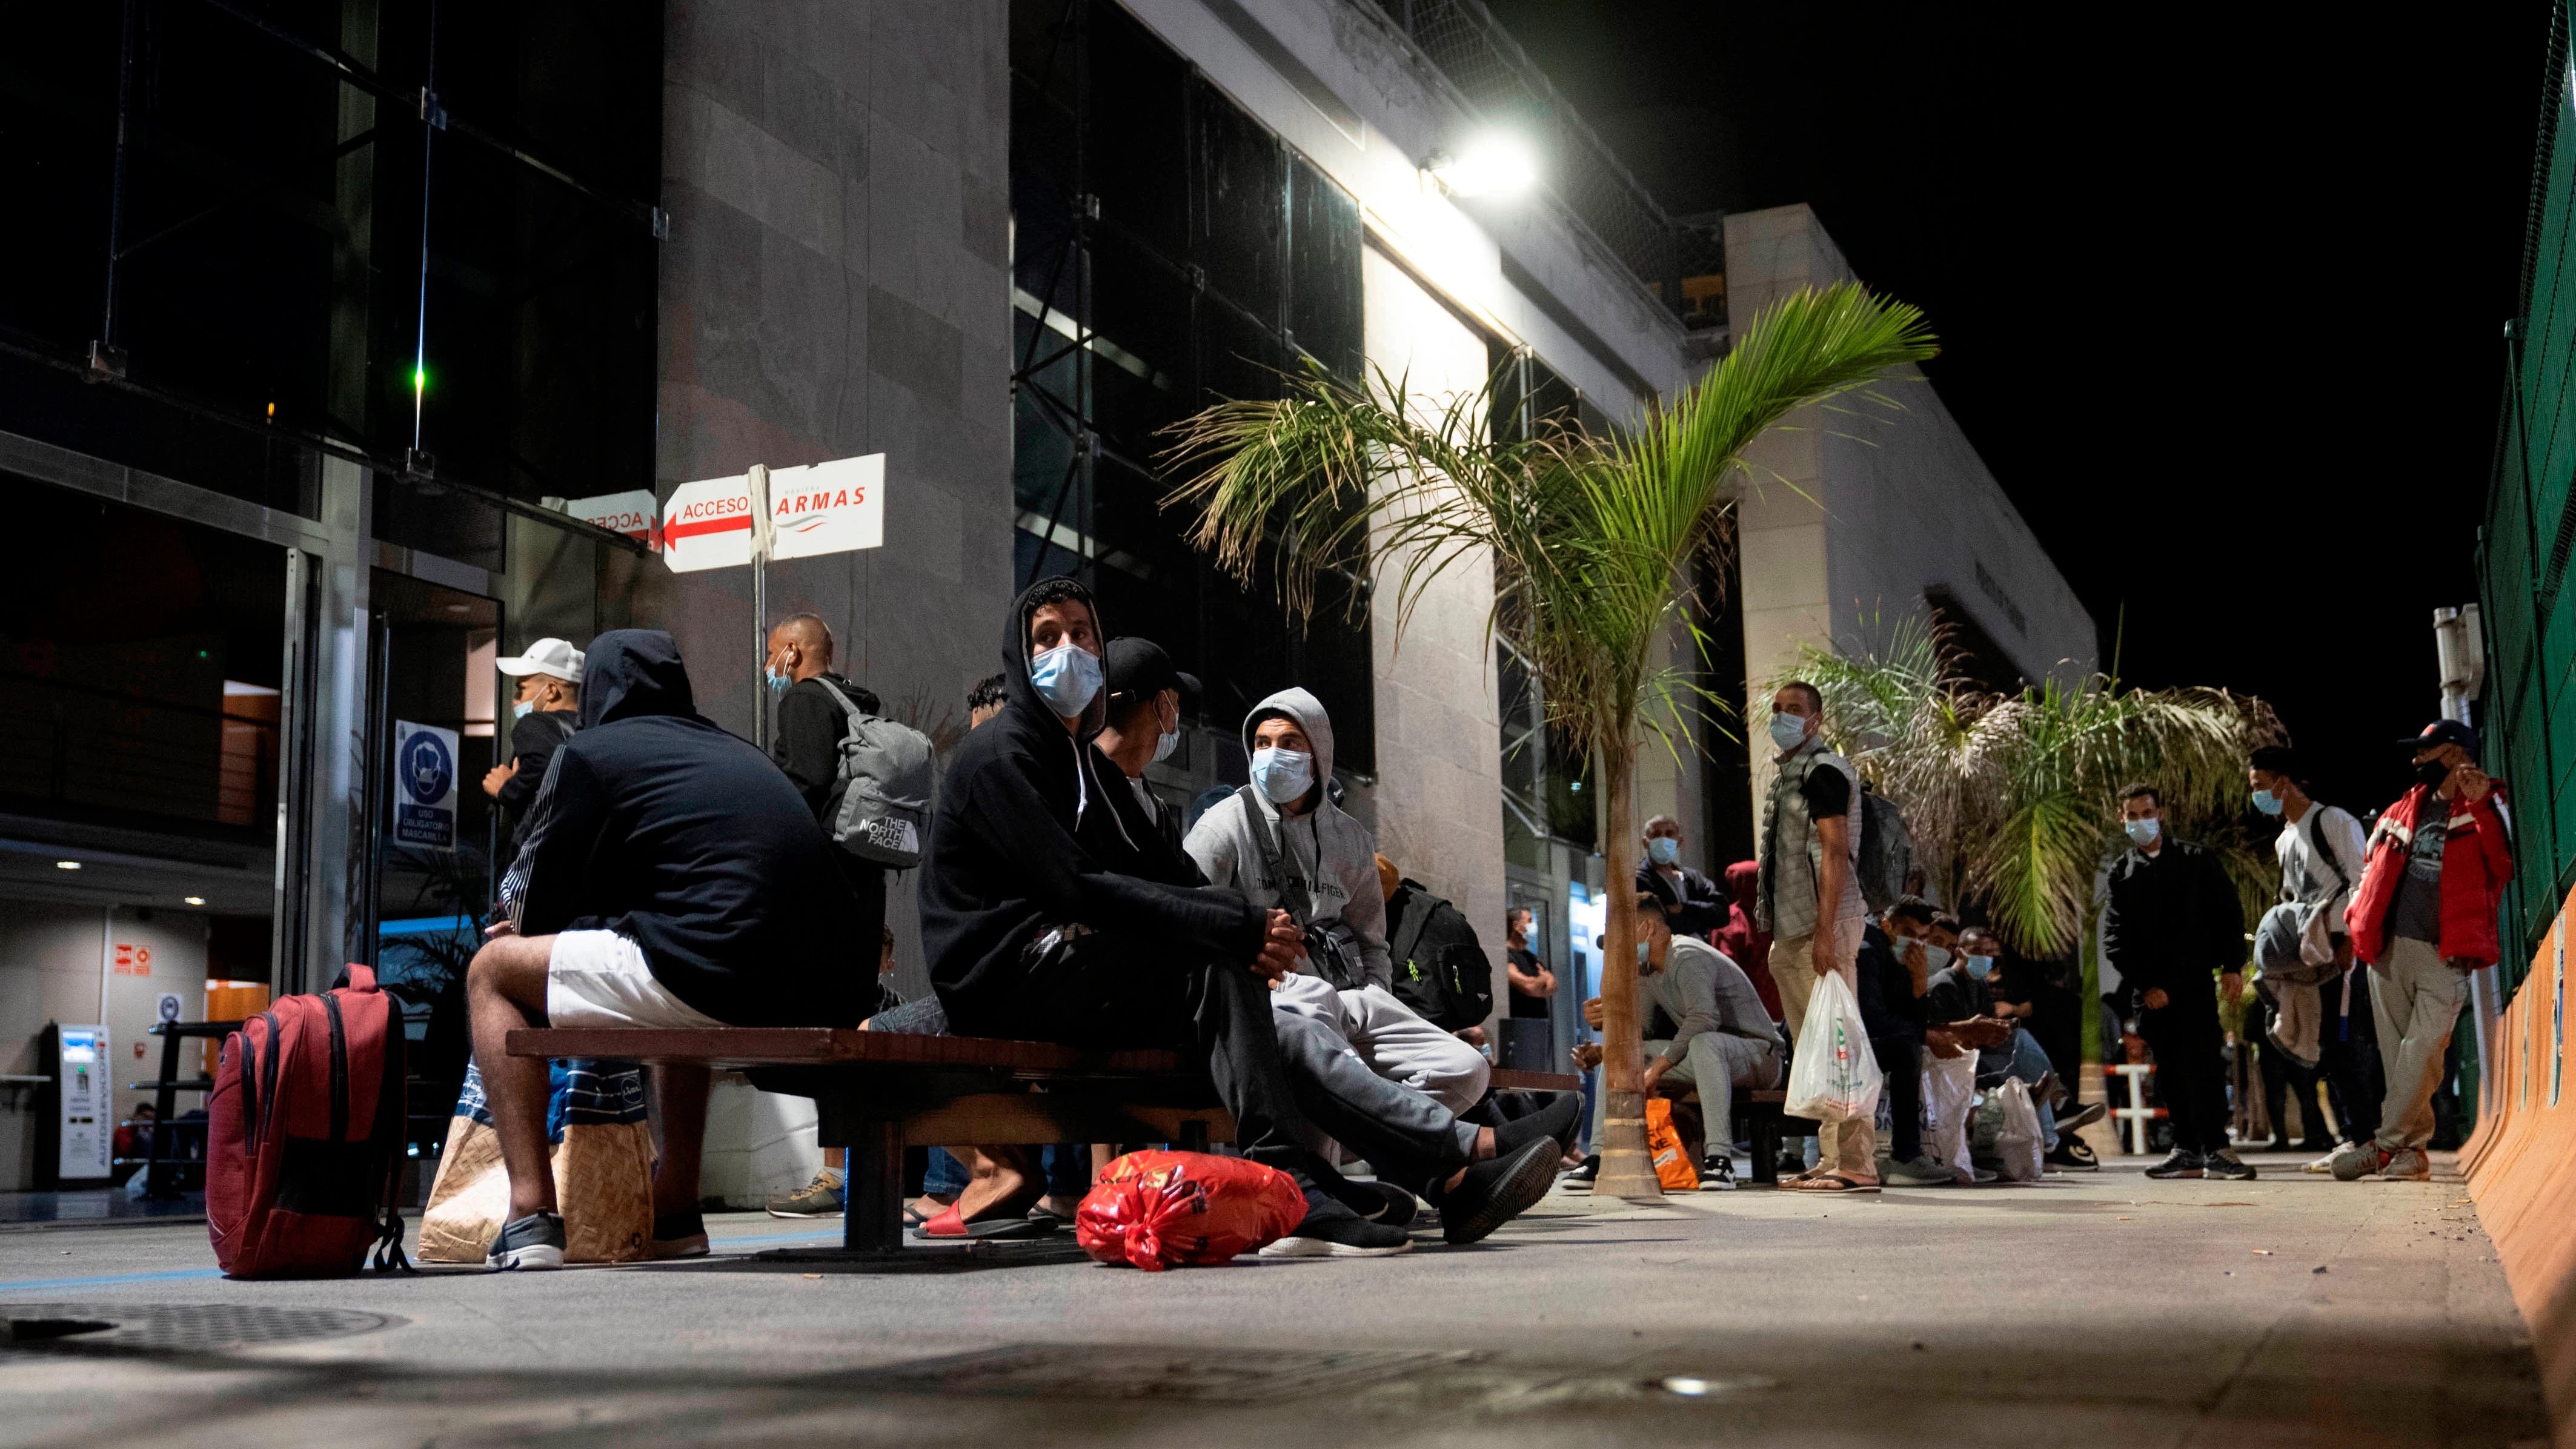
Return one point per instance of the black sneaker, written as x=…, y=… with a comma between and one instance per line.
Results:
x=2073, y=1156
x=2081, y=1117
x=1496, y=1191
x=1334, y=1231
x=1396, y=1207
x=2228, y=1165
x=527, y=1244
x=2183, y=1163
x=1583, y=1176
x=1717, y=1174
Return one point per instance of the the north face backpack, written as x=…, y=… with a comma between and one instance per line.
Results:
x=1886, y=852
x=304, y=1152
x=1440, y=968
x=884, y=785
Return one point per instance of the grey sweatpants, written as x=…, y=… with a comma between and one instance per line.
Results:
x=2415, y=997
x=1404, y=1133
x=1714, y=1064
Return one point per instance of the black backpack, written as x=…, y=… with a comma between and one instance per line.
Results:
x=1440, y=968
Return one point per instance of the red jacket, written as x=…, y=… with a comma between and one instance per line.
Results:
x=2477, y=859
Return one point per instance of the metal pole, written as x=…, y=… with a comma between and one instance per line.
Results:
x=759, y=485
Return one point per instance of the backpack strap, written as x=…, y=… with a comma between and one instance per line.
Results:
x=2318, y=849
x=847, y=706
x=1299, y=907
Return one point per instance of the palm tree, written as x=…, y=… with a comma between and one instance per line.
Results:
x=1593, y=542
x=2013, y=798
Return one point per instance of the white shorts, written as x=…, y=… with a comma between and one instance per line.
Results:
x=599, y=978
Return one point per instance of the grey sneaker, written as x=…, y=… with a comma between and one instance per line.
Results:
x=530, y=1243
x=2226, y=1165
x=820, y=1198
x=2359, y=1160
x=2406, y=1164
x=1921, y=1172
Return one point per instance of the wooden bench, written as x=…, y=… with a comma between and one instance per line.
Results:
x=877, y=1093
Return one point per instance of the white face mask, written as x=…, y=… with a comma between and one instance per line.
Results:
x=1067, y=677
x=1284, y=776
x=1164, y=744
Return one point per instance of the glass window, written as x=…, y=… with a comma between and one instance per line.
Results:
x=1239, y=236
x=1324, y=304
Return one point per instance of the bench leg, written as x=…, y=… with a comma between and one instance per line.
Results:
x=1194, y=1136
x=872, y=1201
x=1766, y=1149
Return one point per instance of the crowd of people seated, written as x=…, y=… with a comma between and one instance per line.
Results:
x=669, y=874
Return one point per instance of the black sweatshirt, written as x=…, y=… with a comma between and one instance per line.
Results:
x=656, y=824
x=1035, y=829
x=811, y=726
x=2170, y=920
x=533, y=742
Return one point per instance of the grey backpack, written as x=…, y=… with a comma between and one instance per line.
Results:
x=884, y=785
x=1886, y=851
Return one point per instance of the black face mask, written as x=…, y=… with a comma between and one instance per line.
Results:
x=2432, y=772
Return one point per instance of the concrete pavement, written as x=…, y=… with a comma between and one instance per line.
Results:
x=2100, y=1309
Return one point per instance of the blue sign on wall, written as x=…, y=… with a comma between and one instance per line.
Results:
x=424, y=786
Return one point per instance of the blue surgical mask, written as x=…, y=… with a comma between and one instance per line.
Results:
x=1283, y=776
x=1788, y=731
x=1979, y=967
x=522, y=709
x=778, y=683
x=1645, y=954
x=1163, y=747
x=2142, y=833
x=1662, y=849
x=1067, y=677
x=2267, y=802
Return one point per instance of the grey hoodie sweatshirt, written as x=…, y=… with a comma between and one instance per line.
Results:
x=1330, y=854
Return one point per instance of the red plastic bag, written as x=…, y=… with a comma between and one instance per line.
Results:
x=1161, y=1209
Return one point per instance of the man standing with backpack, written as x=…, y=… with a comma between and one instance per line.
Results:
x=815, y=705
x=2320, y=850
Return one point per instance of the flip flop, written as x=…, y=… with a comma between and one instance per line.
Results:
x=949, y=1227
x=1829, y=1182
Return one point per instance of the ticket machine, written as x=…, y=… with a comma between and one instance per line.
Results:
x=85, y=1103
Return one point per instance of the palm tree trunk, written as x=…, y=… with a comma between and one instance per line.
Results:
x=1627, y=1170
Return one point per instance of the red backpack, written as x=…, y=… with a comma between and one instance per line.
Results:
x=305, y=1152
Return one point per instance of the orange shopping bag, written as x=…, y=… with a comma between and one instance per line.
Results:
x=1673, y=1166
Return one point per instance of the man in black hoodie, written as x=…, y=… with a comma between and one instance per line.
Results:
x=668, y=876
x=1051, y=911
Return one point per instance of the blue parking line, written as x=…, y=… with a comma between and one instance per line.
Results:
x=33, y=1285
x=110, y=1280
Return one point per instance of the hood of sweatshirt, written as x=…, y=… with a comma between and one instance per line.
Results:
x=631, y=673
x=1015, y=662
x=1308, y=713
x=1741, y=879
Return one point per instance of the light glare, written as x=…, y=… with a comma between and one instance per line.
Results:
x=1488, y=165
x=67, y=865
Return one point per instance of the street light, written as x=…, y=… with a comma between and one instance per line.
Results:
x=1491, y=163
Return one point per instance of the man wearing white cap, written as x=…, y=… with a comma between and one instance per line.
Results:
x=544, y=712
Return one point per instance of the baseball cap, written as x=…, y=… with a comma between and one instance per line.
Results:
x=2444, y=732
x=1137, y=668
x=547, y=656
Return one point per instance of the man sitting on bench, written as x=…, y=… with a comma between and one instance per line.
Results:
x=668, y=876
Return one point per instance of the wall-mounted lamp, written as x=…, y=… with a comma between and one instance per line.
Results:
x=1493, y=163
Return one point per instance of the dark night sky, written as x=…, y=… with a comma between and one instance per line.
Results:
x=2221, y=299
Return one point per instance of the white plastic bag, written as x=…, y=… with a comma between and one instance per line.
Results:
x=1950, y=1090
x=1833, y=1077
x=2018, y=1142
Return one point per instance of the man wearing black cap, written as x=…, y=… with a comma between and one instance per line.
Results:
x=1145, y=690
x=2424, y=917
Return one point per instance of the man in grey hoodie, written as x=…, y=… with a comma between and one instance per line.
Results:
x=1282, y=842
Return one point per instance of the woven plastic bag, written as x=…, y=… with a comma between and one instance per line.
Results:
x=1158, y=1210
x=1833, y=1077
x=603, y=1165
x=1664, y=1146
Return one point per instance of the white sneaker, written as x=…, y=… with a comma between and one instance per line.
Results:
x=2323, y=1166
